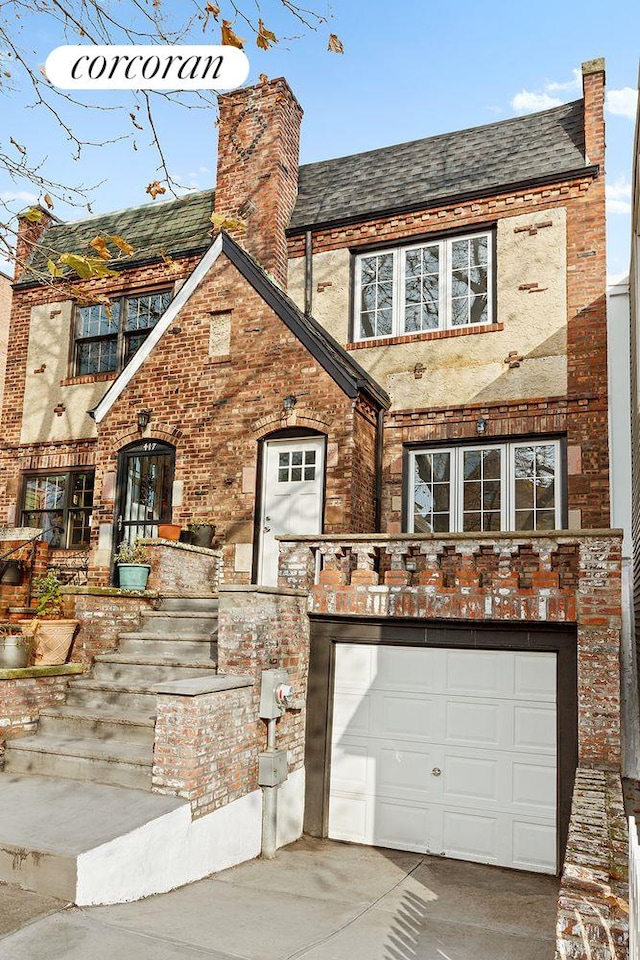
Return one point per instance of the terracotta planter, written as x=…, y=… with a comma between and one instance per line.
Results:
x=51, y=639
x=169, y=531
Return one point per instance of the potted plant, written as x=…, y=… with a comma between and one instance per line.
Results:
x=133, y=566
x=15, y=647
x=202, y=530
x=49, y=632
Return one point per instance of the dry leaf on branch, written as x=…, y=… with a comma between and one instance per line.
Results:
x=265, y=38
x=33, y=215
x=49, y=202
x=335, y=45
x=229, y=37
x=99, y=244
x=223, y=222
x=155, y=189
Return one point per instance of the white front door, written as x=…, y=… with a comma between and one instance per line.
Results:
x=292, y=493
x=446, y=751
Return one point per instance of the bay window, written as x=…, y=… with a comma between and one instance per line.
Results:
x=487, y=487
x=437, y=285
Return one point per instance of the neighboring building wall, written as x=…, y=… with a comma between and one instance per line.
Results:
x=5, y=316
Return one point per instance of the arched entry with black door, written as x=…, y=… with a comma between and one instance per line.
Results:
x=145, y=480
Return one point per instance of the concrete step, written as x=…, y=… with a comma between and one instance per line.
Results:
x=132, y=726
x=52, y=832
x=106, y=695
x=203, y=602
x=178, y=623
x=193, y=648
x=148, y=670
x=114, y=761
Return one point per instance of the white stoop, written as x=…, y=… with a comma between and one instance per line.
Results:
x=92, y=843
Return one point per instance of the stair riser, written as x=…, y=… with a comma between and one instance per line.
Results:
x=104, y=730
x=50, y=874
x=190, y=604
x=176, y=626
x=184, y=649
x=77, y=768
x=141, y=675
x=100, y=699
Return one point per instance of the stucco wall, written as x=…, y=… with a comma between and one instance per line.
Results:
x=466, y=369
x=47, y=365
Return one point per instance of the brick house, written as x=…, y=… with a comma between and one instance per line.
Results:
x=399, y=368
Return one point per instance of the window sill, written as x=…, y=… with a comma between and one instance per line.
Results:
x=427, y=335
x=88, y=378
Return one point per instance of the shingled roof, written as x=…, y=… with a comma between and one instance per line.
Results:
x=466, y=163
x=163, y=227
x=540, y=147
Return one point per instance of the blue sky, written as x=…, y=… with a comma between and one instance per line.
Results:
x=409, y=71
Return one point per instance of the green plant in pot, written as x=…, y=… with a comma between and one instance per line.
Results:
x=132, y=560
x=15, y=647
x=50, y=632
x=202, y=530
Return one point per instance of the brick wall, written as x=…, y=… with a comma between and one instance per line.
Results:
x=102, y=615
x=593, y=912
x=5, y=313
x=205, y=746
x=21, y=701
x=491, y=577
x=182, y=569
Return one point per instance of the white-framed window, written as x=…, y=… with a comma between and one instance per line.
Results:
x=436, y=285
x=485, y=487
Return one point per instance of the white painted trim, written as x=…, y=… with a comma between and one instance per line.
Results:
x=170, y=314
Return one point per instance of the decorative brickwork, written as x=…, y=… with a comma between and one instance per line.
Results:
x=593, y=912
x=499, y=577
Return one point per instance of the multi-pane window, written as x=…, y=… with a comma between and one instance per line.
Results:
x=296, y=465
x=443, y=284
x=108, y=335
x=60, y=504
x=508, y=486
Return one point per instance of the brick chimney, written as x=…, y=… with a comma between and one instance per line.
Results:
x=593, y=89
x=29, y=233
x=257, y=178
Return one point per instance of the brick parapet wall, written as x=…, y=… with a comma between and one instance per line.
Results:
x=22, y=699
x=593, y=920
x=205, y=747
x=551, y=578
x=103, y=614
x=182, y=569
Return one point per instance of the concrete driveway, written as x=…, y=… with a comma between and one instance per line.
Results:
x=319, y=900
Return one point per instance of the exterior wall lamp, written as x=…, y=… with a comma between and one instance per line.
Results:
x=289, y=403
x=144, y=418
x=481, y=426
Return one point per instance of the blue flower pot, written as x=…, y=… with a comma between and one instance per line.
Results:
x=133, y=576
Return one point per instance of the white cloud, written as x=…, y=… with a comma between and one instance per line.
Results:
x=623, y=102
x=551, y=86
x=528, y=102
x=12, y=196
x=619, y=196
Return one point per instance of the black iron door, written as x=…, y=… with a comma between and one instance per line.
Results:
x=145, y=479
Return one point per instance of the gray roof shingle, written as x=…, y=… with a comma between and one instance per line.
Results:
x=466, y=162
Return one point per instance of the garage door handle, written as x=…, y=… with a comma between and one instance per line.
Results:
x=436, y=772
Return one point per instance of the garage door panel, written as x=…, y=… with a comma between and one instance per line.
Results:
x=466, y=768
x=535, y=676
x=533, y=845
x=535, y=727
x=356, y=665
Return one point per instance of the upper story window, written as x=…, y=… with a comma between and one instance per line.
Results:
x=60, y=504
x=440, y=285
x=108, y=335
x=505, y=486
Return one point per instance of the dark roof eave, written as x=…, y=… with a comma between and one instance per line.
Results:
x=593, y=170
x=121, y=266
x=351, y=384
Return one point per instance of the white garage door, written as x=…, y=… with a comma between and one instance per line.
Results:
x=446, y=751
